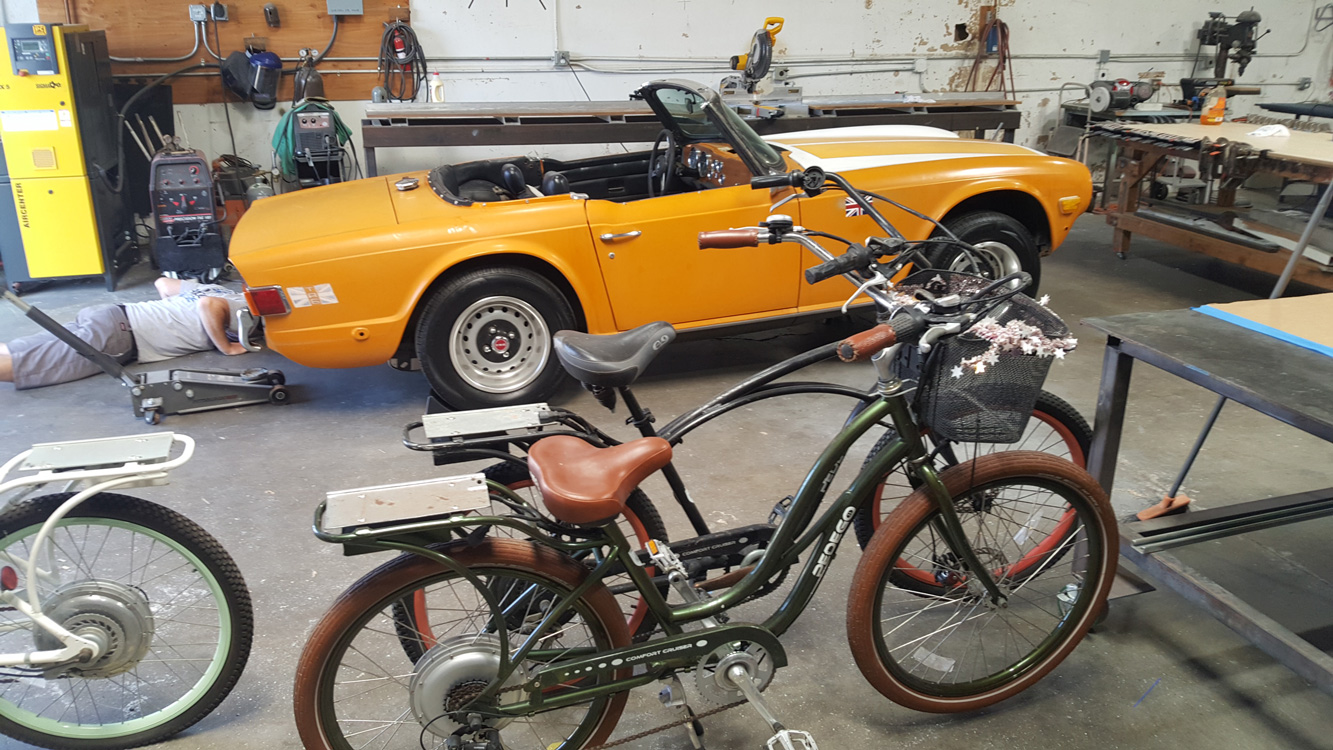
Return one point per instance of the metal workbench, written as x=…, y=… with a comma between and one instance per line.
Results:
x=1276, y=378
x=407, y=125
x=1230, y=155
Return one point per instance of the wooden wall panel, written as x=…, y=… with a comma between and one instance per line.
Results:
x=161, y=28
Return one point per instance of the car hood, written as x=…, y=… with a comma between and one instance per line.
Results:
x=304, y=215
x=847, y=149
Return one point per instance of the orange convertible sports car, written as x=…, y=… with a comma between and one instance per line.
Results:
x=470, y=268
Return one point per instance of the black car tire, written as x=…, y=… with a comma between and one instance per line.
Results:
x=1005, y=246
x=484, y=338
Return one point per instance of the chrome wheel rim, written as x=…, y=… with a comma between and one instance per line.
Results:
x=996, y=260
x=499, y=344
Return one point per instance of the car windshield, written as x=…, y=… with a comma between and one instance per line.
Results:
x=700, y=119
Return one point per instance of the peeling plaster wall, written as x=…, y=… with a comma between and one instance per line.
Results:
x=622, y=43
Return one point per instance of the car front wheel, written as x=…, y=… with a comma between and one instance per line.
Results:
x=484, y=339
x=1003, y=245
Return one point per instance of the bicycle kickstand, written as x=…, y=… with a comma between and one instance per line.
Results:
x=673, y=696
x=783, y=738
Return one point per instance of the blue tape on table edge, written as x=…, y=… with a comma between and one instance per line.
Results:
x=1280, y=335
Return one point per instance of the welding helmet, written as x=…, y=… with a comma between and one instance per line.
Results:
x=266, y=71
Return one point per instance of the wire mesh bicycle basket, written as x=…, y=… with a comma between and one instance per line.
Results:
x=981, y=385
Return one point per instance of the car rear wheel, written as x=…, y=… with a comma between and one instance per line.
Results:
x=484, y=338
x=1003, y=245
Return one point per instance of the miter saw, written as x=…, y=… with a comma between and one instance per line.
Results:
x=759, y=90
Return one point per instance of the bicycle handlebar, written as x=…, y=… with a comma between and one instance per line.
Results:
x=729, y=238
x=793, y=178
x=862, y=346
x=856, y=257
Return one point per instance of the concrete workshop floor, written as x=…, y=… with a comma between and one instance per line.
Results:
x=259, y=472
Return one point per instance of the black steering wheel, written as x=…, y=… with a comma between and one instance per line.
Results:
x=662, y=164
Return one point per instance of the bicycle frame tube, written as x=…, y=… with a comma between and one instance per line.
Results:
x=803, y=508
x=677, y=427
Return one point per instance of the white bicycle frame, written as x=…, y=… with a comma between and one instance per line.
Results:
x=127, y=472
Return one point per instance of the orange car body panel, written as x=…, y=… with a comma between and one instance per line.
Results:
x=379, y=250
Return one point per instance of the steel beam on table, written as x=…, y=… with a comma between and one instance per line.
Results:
x=1181, y=530
x=409, y=129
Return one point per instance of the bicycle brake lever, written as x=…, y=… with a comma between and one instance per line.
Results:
x=936, y=333
x=875, y=280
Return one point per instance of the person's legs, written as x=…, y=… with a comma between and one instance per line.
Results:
x=42, y=359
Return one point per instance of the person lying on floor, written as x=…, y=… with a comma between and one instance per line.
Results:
x=190, y=317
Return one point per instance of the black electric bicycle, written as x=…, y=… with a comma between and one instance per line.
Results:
x=608, y=366
x=971, y=590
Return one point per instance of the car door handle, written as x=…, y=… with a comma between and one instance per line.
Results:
x=608, y=237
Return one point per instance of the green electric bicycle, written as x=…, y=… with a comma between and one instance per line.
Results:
x=497, y=631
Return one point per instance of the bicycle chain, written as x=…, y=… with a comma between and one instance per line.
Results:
x=647, y=732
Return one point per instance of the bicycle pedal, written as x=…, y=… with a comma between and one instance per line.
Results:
x=792, y=739
x=780, y=510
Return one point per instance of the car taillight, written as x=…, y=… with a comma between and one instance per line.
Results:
x=267, y=300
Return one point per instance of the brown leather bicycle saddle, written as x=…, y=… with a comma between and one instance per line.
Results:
x=588, y=486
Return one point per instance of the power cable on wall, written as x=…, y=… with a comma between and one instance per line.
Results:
x=402, y=62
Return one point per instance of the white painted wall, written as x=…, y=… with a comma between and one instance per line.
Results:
x=496, y=53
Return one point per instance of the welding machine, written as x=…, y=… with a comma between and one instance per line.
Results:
x=309, y=144
x=57, y=124
x=188, y=242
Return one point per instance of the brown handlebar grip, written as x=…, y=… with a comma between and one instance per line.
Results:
x=861, y=346
x=1243, y=90
x=729, y=238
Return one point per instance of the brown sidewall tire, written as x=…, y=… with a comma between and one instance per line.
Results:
x=372, y=589
x=864, y=596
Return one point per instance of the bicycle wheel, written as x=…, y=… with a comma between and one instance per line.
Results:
x=941, y=646
x=1056, y=427
x=356, y=688
x=163, y=594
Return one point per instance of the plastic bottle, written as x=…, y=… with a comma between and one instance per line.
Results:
x=1214, y=108
x=436, y=88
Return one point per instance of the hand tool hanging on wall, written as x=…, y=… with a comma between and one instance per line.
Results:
x=402, y=62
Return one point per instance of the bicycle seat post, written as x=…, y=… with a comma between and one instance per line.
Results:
x=640, y=417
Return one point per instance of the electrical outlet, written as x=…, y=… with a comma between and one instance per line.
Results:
x=218, y=11
x=561, y=59
x=198, y=13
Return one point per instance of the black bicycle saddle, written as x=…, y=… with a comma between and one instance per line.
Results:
x=612, y=360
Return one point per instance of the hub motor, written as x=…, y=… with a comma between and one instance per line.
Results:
x=450, y=675
x=115, y=616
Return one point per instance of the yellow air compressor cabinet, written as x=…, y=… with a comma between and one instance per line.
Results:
x=59, y=133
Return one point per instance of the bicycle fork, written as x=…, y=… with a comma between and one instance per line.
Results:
x=951, y=528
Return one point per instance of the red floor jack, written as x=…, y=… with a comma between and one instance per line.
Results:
x=160, y=393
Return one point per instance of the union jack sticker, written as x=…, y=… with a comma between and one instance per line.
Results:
x=852, y=208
